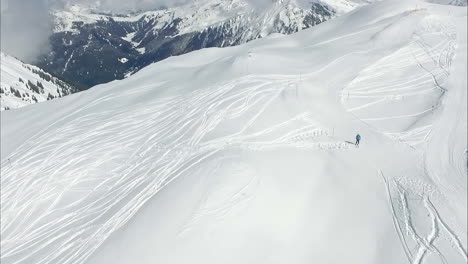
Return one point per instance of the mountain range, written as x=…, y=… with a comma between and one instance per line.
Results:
x=89, y=46
x=247, y=154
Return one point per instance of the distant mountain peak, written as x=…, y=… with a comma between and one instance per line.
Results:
x=115, y=46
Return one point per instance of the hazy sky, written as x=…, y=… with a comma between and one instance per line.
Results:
x=25, y=28
x=26, y=24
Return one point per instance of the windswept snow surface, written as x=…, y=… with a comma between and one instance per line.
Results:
x=246, y=155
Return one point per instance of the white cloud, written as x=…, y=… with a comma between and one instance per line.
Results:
x=25, y=28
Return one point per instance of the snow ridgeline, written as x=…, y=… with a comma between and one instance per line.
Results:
x=245, y=154
x=142, y=38
x=197, y=15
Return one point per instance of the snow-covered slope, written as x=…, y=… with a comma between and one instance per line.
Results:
x=246, y=154
x=450, y=2
x=200, y=14
x=91, y=47
x=23, y=84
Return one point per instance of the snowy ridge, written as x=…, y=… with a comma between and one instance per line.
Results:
x=81, y=34
x=246, y=154
x=23, y=84
x=450, y=2
x=195, y=16
x=141, y=38
x=201, y=14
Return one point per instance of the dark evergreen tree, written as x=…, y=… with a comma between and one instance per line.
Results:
x=16, y=93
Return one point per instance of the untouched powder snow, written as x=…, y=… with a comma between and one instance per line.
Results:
x=246, y=154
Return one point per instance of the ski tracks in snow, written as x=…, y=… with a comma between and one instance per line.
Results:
x=230, y=185
x=72, y=185
x=422, y=232
x=426, y=62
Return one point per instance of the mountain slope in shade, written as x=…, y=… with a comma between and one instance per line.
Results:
x=23, y=84
x=91, y=48
x=246, y=154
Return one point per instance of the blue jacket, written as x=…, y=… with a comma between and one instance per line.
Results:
x=358, y=137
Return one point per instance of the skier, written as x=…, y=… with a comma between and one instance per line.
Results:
x=358, y=138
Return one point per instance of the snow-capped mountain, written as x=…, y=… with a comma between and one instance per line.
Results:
x=23, y=84
x=450, y=2
x=90, y=47
x=247, y=154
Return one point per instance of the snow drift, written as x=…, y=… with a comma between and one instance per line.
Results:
x=246, y=154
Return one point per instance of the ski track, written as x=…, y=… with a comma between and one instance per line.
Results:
x=61, y=183
x=64, y=181
x=219, y=207
x=432, y=52
x=402, y=197
x=380, y=86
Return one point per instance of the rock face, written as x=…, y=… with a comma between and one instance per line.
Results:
x=90, y=48
x=23, y=84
